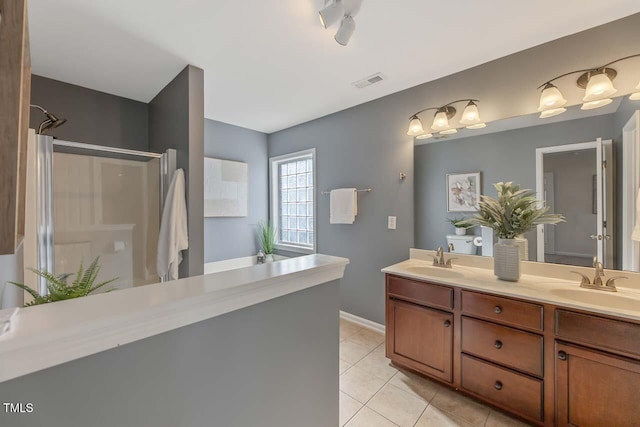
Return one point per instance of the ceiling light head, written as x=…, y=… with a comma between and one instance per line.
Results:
x=331, y=13
x=425, y=136
x=551, y=98
x=470, y=115
x=346, y=30
x=599, y=86
x=415, y=127
x=449, y=131
x=592, y=105
x=553, y=112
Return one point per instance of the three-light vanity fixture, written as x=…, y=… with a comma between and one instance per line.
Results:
x=343, y=11
x=470, y=119
x=597, y=83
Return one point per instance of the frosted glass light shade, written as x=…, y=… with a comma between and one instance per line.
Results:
x=415, y=127
x=477, y=126
x=424, y=136
x=599, y=87
x=636, y=96
x=596, y=104
x=440, y=121
x=470, y=115
x=553, y=112
x=331, y=14
x=551, y=98
x=449, y=131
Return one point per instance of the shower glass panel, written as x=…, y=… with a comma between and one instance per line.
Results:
x=106, y=205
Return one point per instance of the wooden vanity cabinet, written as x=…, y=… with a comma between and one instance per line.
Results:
x=418, y=336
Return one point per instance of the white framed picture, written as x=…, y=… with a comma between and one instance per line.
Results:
x=463, y=192
x=226, y=187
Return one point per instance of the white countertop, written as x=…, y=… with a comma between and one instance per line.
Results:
x=530, y=287
x=52, y=334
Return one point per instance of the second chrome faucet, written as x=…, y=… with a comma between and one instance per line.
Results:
x=609, y=285
x=439, y=261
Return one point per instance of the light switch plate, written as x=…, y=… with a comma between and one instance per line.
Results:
x=391, y=223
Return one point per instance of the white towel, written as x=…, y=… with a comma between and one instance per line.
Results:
x=636, y=230
x=344, y=206
x=173, y=236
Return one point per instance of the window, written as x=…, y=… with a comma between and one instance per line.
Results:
x=293, y=207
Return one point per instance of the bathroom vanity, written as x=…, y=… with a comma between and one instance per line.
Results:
x=542, y=349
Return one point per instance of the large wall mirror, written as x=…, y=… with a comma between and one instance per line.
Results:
x=584, y=164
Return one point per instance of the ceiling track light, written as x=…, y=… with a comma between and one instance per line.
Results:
x=596, y=82
x=470, y=119
x=342, y=11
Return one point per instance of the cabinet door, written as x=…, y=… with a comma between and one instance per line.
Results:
x=596, y=389
x=421, y=338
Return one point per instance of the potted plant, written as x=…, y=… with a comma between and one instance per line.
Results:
x=512, y=214
x=461, y=225
x=267, y=239
x=59, y=290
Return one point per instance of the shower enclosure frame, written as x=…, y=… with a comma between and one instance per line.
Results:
x=45, y=230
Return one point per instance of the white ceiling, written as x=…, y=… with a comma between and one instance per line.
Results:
x=270, y=65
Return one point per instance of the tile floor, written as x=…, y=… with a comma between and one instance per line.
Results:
x=375, y=394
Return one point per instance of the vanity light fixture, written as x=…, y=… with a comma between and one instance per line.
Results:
x=470, y=119
x=342, y=11
x=597, y=83
x=636, y=96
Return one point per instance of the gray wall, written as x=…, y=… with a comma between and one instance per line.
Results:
x=226, y=238
x=176, y=120
x=367, y=146
x=273, y=364
x=503, y=156
x=92, y=117
x=11, y=269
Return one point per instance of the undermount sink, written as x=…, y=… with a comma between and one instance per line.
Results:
x=445, y=273
x=599, y=298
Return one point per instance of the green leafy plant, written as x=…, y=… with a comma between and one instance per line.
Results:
x=513, y=213
x=60, y=290
x=267, y=237
x=460, y=222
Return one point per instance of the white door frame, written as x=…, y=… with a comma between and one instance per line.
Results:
x=630, y=185
x=602, y=253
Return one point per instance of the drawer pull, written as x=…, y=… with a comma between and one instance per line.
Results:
x=498, y=344
x=497, y=309
x=562, y=355
x=498, y=385
x=447, y=323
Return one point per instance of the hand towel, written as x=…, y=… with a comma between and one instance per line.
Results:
x=344, y=206
x=636, y=230
x=173, y=236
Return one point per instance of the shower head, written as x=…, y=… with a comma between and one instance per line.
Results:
x=51, y=121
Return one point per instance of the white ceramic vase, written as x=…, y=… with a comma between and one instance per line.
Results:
x=506, y=260
x=269, y=258
x=461, y=231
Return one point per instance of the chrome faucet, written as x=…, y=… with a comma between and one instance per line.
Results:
x=609, y=285
x=439, y=261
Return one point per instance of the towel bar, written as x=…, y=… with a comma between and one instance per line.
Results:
x=366, y=190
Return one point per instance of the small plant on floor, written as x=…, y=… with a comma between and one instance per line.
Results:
x=267, y=237
x=60, y=290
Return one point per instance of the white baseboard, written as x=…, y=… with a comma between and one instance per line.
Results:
x=362, y=322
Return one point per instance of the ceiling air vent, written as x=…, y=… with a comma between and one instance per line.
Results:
x=378, y=77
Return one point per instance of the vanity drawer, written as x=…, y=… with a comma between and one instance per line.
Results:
x=511, y=390
x=600, y=332
x=503, y=310
x=420, y=292
x=506, y=346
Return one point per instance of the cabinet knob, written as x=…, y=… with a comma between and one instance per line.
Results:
x=447, y=323
x=562, y=355
x=497, y=309
x=498, y=385
x=498, y=344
